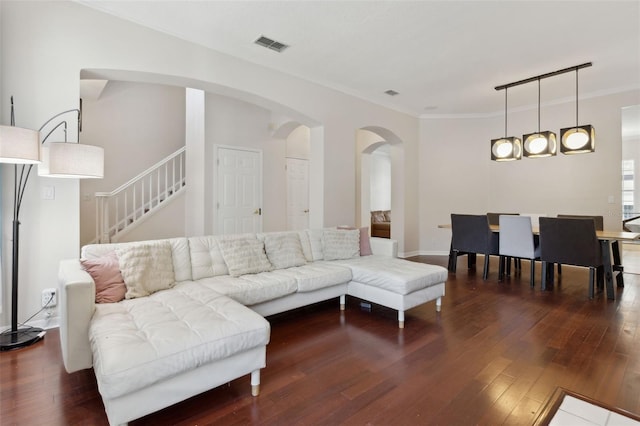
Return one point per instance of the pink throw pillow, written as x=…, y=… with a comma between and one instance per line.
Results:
x=105, y=272
x=365, y=243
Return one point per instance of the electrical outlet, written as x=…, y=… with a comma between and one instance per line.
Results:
x=49, y=294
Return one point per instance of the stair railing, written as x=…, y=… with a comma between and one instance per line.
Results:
x=126, y=206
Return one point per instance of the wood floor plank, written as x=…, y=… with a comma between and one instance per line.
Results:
x=494, y=355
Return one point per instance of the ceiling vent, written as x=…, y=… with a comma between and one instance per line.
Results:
x=270, y=44
x=391, y=92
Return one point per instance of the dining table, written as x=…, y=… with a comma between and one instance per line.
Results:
x=612, y=259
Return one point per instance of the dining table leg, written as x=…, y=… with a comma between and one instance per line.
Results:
x=617, y=263
x=608, y=268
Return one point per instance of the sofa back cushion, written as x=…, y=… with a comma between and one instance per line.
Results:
x=206, y=257
x=180, y=255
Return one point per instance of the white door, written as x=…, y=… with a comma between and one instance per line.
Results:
x=297, y=194
x=239, y=191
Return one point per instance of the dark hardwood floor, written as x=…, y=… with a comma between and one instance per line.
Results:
x=494, y=355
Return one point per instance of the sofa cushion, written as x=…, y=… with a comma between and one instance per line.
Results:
x=397, y=275
x=306, y=245
x=244, y=256
x=340, y=243
x=317, y=275
x=138, y=342
x=206, y=258
x=283, y=249
x=315, y=242
x=146, y=267
x=105, y=271
x=253, y=288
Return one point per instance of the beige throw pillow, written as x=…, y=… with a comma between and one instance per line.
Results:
x=244, y=256
x=341, y=243
x=146, y=267
x=284, y=250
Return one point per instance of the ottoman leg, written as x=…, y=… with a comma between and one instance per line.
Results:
x=438, y=304
x=255, y=382
x=400, y=319
x=342, y=302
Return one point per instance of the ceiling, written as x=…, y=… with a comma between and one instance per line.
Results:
x=443, y=57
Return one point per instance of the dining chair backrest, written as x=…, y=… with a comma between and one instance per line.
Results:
x=516, y=237
x=570, y=241
x=471, y=233
x=494, y=218
x=598, y=219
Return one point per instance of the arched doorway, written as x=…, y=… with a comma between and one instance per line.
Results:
x=380, y=158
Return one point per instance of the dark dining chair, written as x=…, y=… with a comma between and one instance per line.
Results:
x=599, y=225
x=471, y=235
x=571, y=241
x=517, y=241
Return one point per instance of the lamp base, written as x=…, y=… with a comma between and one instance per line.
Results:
x=20, y=338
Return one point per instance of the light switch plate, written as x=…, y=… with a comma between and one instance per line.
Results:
x=48, y=192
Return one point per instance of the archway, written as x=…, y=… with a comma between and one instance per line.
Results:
x=370, y=139
x=200, y=214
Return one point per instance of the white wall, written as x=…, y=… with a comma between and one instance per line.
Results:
x=38, y=34
x=298, y=143
x=380, y=166
x=232, y=122
x=457, y=175
x=138, y=125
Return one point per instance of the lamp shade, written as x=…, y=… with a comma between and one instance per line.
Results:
x=539, y=144
x=506, y=149
x=578, y=140
x=19, y=146
x=72, y=160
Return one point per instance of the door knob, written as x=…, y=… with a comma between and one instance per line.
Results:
x=306, y=211
x=258, y=211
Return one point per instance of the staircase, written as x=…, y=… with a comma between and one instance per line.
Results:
x=132, y=203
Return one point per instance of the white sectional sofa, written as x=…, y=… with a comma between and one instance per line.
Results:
x=194, y=319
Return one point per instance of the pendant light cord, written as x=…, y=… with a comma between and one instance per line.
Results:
x=576, y=97
x=538, y=105
x=505, y=113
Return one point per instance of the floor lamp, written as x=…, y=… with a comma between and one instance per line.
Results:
x=23, y=148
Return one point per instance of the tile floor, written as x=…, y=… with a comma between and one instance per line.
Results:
x=576, y=412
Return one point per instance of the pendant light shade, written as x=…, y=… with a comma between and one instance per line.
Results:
x=578, y=139
x=508, y=148
x=540, y=144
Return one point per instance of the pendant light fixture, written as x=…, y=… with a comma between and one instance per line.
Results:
x=578, y=139
x=508, y=148
x=574, y=140
x=540, y=144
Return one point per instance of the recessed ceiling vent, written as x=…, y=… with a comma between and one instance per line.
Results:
x=391, y=92
x=271, y=44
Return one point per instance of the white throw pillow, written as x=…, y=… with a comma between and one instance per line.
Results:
x=244, y=256
x=146, y=267
x=341, y=243
x=284, y=250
